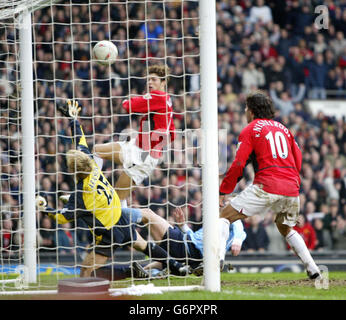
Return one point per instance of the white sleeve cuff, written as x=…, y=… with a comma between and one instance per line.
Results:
x=185, y=228
x=237, y=241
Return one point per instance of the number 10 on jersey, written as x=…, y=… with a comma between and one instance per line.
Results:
x=278, y=144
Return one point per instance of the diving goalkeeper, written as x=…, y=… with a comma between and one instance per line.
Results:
x=97, y=203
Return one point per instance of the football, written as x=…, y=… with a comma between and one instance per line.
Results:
x=105, y=52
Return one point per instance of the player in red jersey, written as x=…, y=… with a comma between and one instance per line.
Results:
x=277, y=159
x=140, y=156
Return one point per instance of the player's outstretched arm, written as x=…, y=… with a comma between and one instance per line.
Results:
x=74, y=109
x=149, y=102
x=239, y=236
x=244, y=149
x=71, y=110
x=179, y=217
x=59, y=216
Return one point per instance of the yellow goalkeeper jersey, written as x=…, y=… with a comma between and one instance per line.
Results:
x=94, y=200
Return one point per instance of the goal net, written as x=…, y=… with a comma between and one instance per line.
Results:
x=63, y=36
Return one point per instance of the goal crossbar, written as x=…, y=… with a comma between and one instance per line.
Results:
x=11, y=8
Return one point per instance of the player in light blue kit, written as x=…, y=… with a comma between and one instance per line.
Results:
x=234, y=242
x=181, y=242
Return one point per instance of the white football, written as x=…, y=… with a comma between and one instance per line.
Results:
x=105, y=52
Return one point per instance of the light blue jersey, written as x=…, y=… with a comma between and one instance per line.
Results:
x=236, y=231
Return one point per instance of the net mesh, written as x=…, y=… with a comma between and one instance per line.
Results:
x=64, y=33
x=11, y=201
x=9, y=9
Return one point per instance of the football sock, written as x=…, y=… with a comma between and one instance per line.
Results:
x=298, y=245
x=156, y=252
x=113, y=273
x=224, y=235
x=123, y=203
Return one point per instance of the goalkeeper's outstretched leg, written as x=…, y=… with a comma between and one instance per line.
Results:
x=97, y=203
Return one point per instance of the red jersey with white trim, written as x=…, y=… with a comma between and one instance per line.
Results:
x=156, y=128
x=275, y=155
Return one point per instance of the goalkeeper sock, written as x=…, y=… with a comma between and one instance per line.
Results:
x=156, y=252
x=298, y=245
x=224, y=235
x=118, y=272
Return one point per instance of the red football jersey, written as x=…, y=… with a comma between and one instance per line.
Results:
x=156, y=128
x=275, y=155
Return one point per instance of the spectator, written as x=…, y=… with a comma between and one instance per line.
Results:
x=317, y=78
x=260, y=13
x=296, y=65
x=330, y=218
x=302, y=19
x=284, y=43
x=339, y=234
x=234, y=78
x=7, y=236
x=252, y=78
x=152, y=31
x=342, y=59
x=331, y=190
x=267, y=50
x=47, y=235
x=323, y=238
x=338, y=43
x=320, y=45
x=275, y=73
x=307, y=232
x=230, y=96
x=65, y=241
x=257, y=239
x=285, y=104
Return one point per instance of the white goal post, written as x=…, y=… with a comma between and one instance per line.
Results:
x=195, y=37
x=20, y=12
x=210, y=151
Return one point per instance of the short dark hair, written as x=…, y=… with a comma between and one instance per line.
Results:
x=261, y=105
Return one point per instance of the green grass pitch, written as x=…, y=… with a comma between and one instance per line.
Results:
x=234, y=286
x=272, y=286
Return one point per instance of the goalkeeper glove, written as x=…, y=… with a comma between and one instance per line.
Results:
x=70, y=110
x=41, y=203
x=65, y=198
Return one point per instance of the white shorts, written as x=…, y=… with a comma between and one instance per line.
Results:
x=133, y=163
x=253, y=200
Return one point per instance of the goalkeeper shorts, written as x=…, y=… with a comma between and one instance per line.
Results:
x=121, y=234
x=137, y=163
x=254, y=200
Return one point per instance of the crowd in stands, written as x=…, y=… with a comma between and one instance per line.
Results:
x=269, y=45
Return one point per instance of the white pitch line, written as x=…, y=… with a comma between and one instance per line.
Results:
x=272, y=295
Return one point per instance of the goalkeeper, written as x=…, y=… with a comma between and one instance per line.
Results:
x=97, y=203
